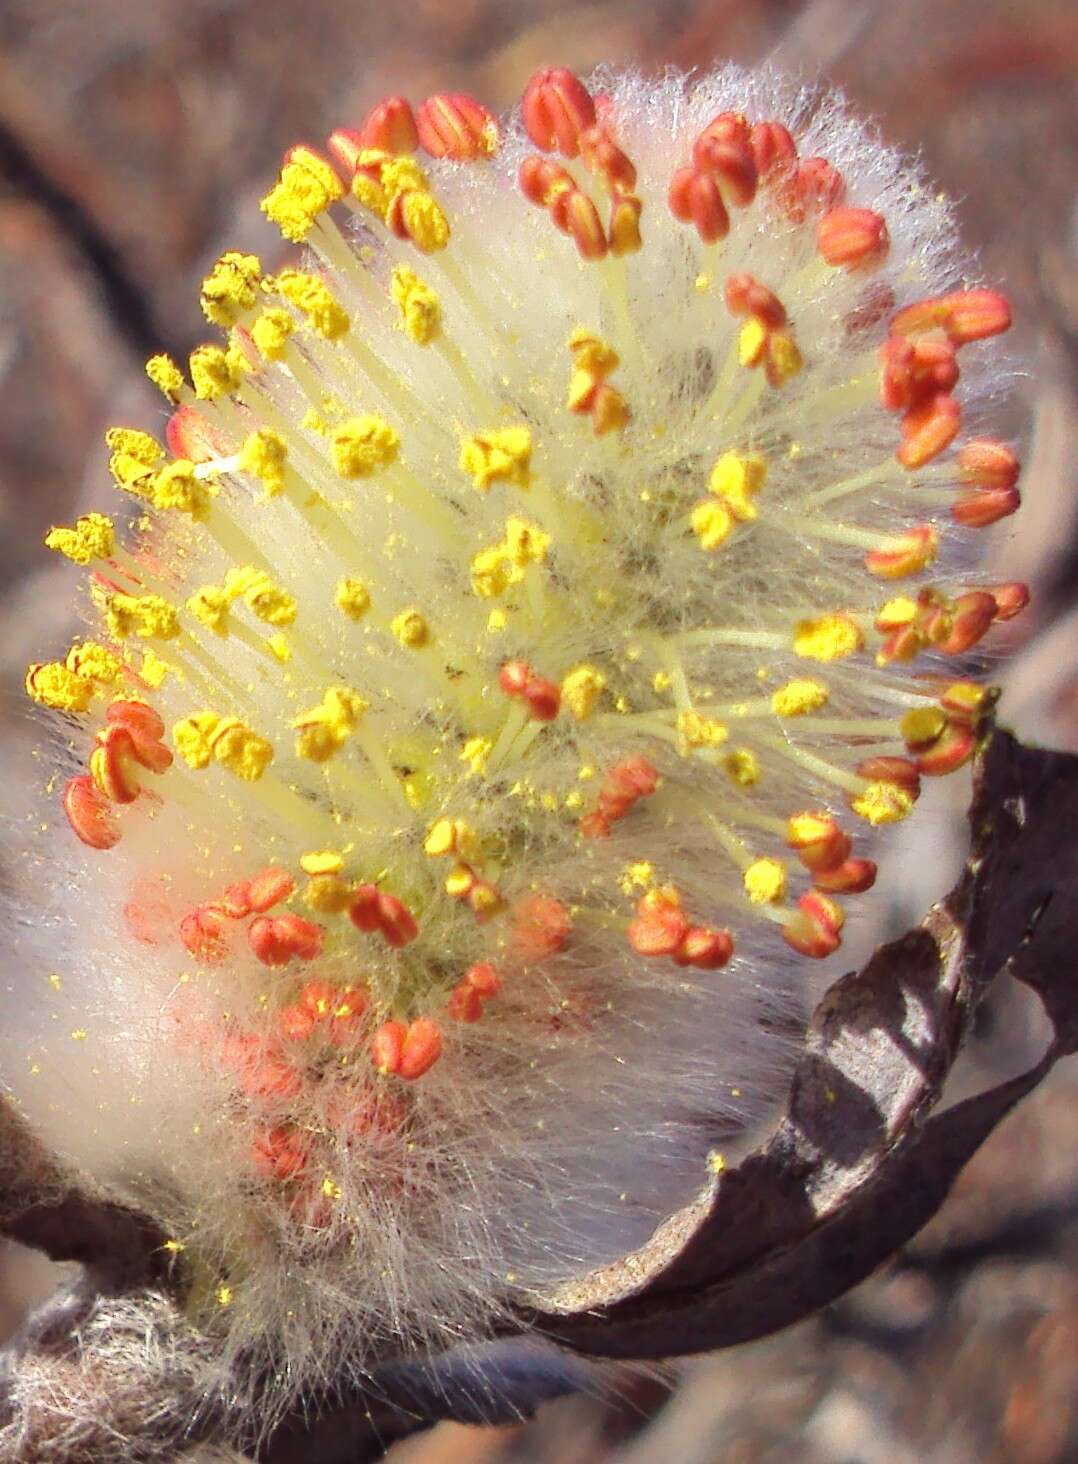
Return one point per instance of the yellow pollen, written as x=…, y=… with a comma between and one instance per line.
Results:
x=500, y=456
x=211, y=607
x=803, y=829
x=307, y=186
x=639, y=875
x=224, y=1295
x=314, y=300
x=270, y=332
x=153, y=670
x=215, y=372
x=882, y=803
x=737, y=480
x=134, y=456
x=264, y=455
x=751, y=341
x=497, y=620
x=765, y=881
x=425, y=221
x=922, y=724
x=231, y=288
x=95, y=663
x=361, y=445
x=323, y=729
x=784, y=357
x=147, y=616
x=830, y=638
x=279, y=648
x=420, y=307
x=712, y=524
x=266, y=600
x=581, y=690
x=165, y=375
x=493, y=572
x=411, y=628
x=191, y=738
x=525, y=542
x=475, y=753
x=661, y=681
x=798, y=697
x=51, y=684
x=327, y=894
x=697, y=731
x=321, y=861
x=176, y=486
x=352, y=598
x=239, y=749
x=451, y=836
x=899, y=611
x=742, y=767
x=93, y=537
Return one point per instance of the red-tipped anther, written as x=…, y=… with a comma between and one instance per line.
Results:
x=145, y=728
x=819, y=841
x=897, y=770
x=629, y=780
x=276, y=939
x=396, y=921
x=345, y=146
x=910, y=554
x=114, y=765
x=915, y=372
x=594, y=826
x=190, y=436
x=557, y=108
x=295, y=1023
x=966, y=315
x=694, y=198
x=279, y=1153
x=623, y=234
x=465, y=1004
x=1011, y=599
x=724, y=127
x=541, y=926
x=542, y=697
x=483, y=978
x=660, y=925
x=268, y=888
x=953, y=747
x=454, y=125
x=853, y=238
x=88, y=813
x=704, y=948
x=389, y=127
x=928, y=429
x=988, y=464
x=813, y=186
x=815, y=928
x=851, y=877
x=981, y=507
x=421, y=1049
x=773, y=150
x=724, y=149
x=575, y=214
x=958, y=628
x=967, y=700
x=203, y=932
x=541, y=180
x=606, y=160
x=744, y=295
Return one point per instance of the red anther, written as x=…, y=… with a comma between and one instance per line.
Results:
x=575, y=214
x=813, y=186
x=421, y=1049
x=279, y=1153
x=744, y=295
x=347, y=1016
x=388, y=127
x=344, y=146
x=853, y=238
x=276, y=939
x=928, y=429
x=318, y=999
x=204, y=933
x=268, y=888
x=594, y=826
x=694, y=198
x=914, y=372
x=724, y=127
x=731, y=164
x=623, y=234
x=988, y=464
x=773, y=150
x=631, y=779
x=660, y=925
x=387, y=1044
x=541, y=926
x=704, y=948
x=542, y=697
x=145, y=728
x=114, y=764
x=295, y=1023
x=364, y=911
x=902, y=644
x=897, y=770
x=190, y=436
x=541, y=180
x=235, y=902
x=465, y=1003
x=912, y=552
x=454, y=125
x=954, y=747
x=820, y=843
x=484, y=978
x=514, y=677
x=88, y=813
x=851, y=877
x=958, y=629
x=815, y=929
x=974, y=315
x=556, y=108
x=984, y=506
x=396, y=921
x=604, y=157
x=1011, y=599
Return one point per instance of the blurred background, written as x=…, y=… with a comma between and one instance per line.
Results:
x=136, y=137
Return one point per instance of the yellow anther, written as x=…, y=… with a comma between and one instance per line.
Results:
x=425, y=220
x=751, y=342
x=639, y=875
x=765, y=881
x=331, y=1189
x=497, y=620
x=411, y=628
x=239, y=749
x=313, y=298
x=307, y=186
x=451, y=836
x=661, y=682
x=93, y=537
x=323, y=729
x=369, y=192
x=176, y=486
x=830, y=638
x=712, y=523
x=922, y=724
x=95, y=662
x=420, y=307
x=460, y=881
x=231, y=288
x=147, y=616
x=899, y=611
x=581, y=690
x=279, y=649
x=225, y=1295
x=153, y=670
x=361, y=445
x=134, y=456
x=266, y=600
x=264, y=455
x=475, y=753
x=191, y=738
x=737, y=479
x=321, y=861
x=798, y=697
x=783, y=358
x=592, y=354
x=327, y=894
x=165, y=375
x=492, y=572
x=742, y=767
x=352, y=598
x=525, y=542
x=500, y=456
x=211, y=606
x=52, y=684
x=610, y=412
x=882, y=803
x=271, y=330
x=214, y=372
x=697, y=731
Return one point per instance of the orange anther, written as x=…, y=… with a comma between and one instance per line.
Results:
x=204, y=933
x=279, y=1153
x=594, y=826
x=966, y=700
x=704, y=948
x=694, y=198
x=454, y=125
x=295, y=1023
x=928, y=429
x=88, y=813
x=235, y=903
x=114, y=765
x=421, y=1049
x=556, y=109
x=1011, y=599
x=541, y=926
x=744, y=295
x=344, y=146
x=390, y=127
x=914, y=372
x=966, y=315
x=957, y=628
x=575, y=214
x=947, y=751
x=629, y=780
x=604, y=157
x=347, y=1018
x=660, y=925
x=911, y=553
x=820, y=843
x=465, y=1003
x=773, y=150
x=542, y=697
x=852, y=238
x=988, y=464
x=387, y=1044
x=723, y=128
x=983, y=506
x=318, y=999
x=145, y=729
x=813, y=186
x=268, y=888
x=815, y=928
x=541, y=180
x=276, y=939
x=484, y=978
x=374, y=910
x=851, y=877
x=730, y=163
